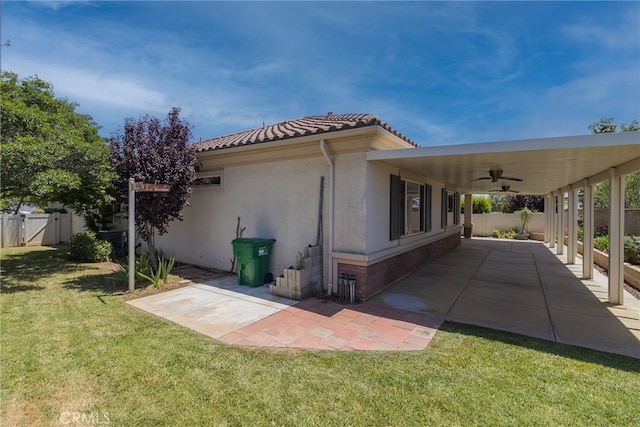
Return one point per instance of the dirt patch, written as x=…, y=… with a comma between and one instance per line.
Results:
x=181, y=276
x=627, y=287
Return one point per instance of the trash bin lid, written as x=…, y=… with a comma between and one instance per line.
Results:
x=251, y=241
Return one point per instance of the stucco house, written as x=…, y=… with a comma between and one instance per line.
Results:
x=387, y=206
x=379, y=222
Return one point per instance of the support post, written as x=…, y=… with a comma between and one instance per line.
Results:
x=616, y=237
x=587, y=240
x=131, y=237
x=468, y=210
x=572, y=229
x=546, y=218
x=552, y=223
x=560, y=231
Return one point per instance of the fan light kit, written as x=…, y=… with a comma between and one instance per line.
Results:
x=504, y=189
x=495, y=175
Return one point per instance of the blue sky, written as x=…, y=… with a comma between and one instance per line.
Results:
x=441, y=73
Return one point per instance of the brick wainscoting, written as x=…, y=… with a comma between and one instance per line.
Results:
x=373, y=278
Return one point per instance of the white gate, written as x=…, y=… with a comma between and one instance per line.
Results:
x=36, y=229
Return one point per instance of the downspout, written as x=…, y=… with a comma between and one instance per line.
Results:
x=323, y=149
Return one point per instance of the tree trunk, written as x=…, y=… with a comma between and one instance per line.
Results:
x=152, y=248
x=20, y=200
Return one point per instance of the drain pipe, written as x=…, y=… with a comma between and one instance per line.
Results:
x=331, y=193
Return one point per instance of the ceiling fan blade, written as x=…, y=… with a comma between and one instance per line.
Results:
x=481, y=179
x=510, y=178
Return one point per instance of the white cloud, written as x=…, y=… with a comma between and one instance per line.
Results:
x=59, y=4
x=91, y=86
x=621, y=35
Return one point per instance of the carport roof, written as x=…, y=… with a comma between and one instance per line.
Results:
x=544, y=165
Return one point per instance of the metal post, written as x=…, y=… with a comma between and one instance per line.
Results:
x=132, y=237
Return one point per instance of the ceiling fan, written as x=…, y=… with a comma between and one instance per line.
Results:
x=495, y=175
x=504, y=189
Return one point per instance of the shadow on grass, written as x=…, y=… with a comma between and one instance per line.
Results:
x=21, y=267
x=11, y=288
x=611, y=360
x=97, y=283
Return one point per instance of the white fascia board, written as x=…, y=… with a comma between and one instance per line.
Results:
x=539, y=144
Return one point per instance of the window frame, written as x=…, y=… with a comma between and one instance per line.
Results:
x=400, y=214
x=208, y=175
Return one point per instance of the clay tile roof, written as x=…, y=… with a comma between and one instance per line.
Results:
x=310, y=125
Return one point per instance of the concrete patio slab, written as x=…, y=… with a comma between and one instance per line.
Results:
x=515, y=286
x=524, y=287
x=214, y=309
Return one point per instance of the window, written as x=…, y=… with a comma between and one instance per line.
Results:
x=450, y=204
x=410, y=207
x=208, y=179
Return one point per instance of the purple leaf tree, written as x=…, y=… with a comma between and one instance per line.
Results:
x=154, y=151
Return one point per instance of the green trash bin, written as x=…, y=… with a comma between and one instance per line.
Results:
x=252, y=259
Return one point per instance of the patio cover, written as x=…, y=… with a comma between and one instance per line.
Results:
x=549, y=167
x=545, y=165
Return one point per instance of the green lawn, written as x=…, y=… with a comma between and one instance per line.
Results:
x=71, y=347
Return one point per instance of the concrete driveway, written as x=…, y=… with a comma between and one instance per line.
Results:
x=520, y=287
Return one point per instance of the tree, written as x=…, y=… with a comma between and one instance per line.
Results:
x=48, y=152
x=497, y=201
x=154, y=151
x=480, y=204
x=632, y=181
x=516, y=202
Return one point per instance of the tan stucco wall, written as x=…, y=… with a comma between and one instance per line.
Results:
x=349, y=206
x=378, y=211
x=275, y=200
x=275, y=190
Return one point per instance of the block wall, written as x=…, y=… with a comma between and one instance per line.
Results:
x=303, y=283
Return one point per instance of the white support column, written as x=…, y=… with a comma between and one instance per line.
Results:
x=572, y=228
x=547, y=208
x=468, y=210
x=587, y=241
x=552, y=223
x=560, y=230
x=616, y=237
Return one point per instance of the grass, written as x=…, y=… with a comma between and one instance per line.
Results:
x=70, y=346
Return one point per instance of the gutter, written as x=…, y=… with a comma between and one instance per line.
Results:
x=323, y=149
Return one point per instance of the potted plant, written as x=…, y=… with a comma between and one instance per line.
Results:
x=525, y=215
x=299, y=261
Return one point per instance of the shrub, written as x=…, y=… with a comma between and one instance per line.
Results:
x=505, y=233
x=480, y=204
x=632, y=250
x=37, y=211
x=631, y=247
x=142, y=266
x=601, y=243
x=601, y=230
x=159, y=278
x=85, y=247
